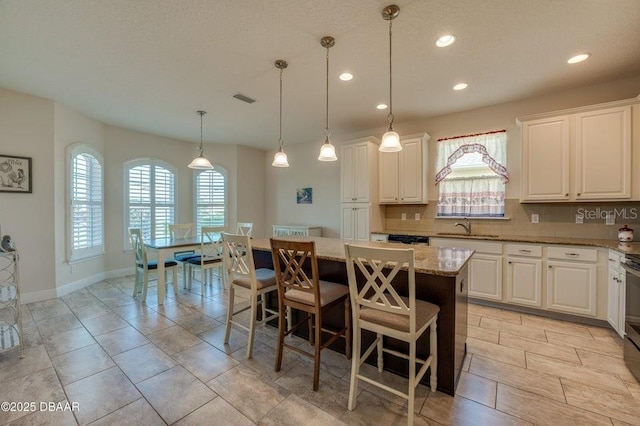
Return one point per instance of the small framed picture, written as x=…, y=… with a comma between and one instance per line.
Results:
x=15, y=174
x=304, y=195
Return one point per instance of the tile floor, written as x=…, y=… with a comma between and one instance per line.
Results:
x=124, y=362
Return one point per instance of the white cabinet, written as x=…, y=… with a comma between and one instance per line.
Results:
x=358, y=170
x=524, y=275
x=355, y=222
x=616, y=292
x=545, y=159
x=578, y=155
x=485, y=266
x=485, y=276
x=403, y=174
x=571, y=286
x=360, y=212
x=305, y=231
x=10, y=314
x=603, y=154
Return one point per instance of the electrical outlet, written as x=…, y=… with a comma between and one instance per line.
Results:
x=403, y=216
x=535, y=218
x=579, y=218
x=417, y=216
x=611, y=219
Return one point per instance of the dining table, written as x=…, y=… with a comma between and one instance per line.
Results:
x=166, y=247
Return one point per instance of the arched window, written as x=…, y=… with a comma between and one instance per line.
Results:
x=85, y=212
x=211, y=197
x=150, y=201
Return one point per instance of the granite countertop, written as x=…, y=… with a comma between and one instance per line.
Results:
x=428, y=260
x=627, y=248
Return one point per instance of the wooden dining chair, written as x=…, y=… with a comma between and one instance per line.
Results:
x=210, y=256
x=244, y=228
x=242, y=273
x=143, y=265
x=178, y=231
x=379, y=308
x=299, y=287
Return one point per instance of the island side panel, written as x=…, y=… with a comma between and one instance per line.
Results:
x=443, y=291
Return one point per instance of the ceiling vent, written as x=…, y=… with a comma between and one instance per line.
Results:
x=244, y=98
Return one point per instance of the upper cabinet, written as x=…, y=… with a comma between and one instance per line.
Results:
x=357, y=170
x=581, y=155
x=603, y=154
x=403, y=174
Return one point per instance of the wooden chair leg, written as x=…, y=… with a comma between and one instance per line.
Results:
x=412, y=381
x=227, y=332
x=311, y=336
x=175, y=280
x=433, y=344
x=145, y=284
x=355, y=368
x=281, y=331
x=252, y=324
x=347, y=326
x=380, y=347
x=316, y=360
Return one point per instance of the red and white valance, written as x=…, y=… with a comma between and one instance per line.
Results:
x=492, y=146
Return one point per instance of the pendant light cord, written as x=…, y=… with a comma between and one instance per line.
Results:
x=326, y=128
x=202, y=113
x=390, y=116
x=280, y=139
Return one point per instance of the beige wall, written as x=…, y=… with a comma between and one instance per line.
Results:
x=26, y=130
x=555, y=220
x=71, y=127
x=305, y=171
x=250, y=177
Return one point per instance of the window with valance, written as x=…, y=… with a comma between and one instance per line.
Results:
x=471, y=174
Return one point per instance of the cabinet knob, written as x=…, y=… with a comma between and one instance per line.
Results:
x=509, y=262
x=549, y=266
x=578, y=194
x=566, y=195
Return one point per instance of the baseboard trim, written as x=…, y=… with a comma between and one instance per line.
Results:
x=59, y=291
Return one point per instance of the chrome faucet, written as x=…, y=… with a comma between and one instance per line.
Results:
x=466, y=226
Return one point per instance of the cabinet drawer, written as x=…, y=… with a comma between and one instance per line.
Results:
x=615, y=258
x=524, y=250
x=573, y=253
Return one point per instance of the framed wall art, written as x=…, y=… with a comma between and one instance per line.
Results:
x=15, y=174
x=304, y=195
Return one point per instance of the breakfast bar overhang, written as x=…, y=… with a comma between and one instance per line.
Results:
x=441, y=278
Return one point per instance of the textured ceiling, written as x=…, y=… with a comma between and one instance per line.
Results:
x=150, y=64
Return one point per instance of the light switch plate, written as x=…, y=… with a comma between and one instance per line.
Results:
x=579, y=218
x=611, y=219
x=403, y=216
x=417, y=216
x=535, y=218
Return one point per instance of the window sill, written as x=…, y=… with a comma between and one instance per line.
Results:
x=473, y=217
x=79, y=259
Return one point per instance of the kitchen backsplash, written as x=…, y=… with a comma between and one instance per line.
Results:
x=555, y=219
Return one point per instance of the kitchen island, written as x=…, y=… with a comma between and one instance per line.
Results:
x=441, y=278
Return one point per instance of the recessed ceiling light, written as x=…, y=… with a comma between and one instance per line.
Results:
x=460, y=86
x=445, y=40
x=578, y=58
x=346, y=76
x=382, y=106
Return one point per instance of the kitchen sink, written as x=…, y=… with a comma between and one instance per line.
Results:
x=457, y=234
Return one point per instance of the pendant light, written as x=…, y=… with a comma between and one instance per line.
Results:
x=280, y=159
x=327, y=151
x=201, y=163
x=390, y=140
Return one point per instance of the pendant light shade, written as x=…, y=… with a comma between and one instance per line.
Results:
x=390, y=140
x=327, y=151
x=200, y=162
x=280, y=158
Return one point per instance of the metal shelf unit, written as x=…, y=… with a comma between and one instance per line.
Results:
x=10, y=315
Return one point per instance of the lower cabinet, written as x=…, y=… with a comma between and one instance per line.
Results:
x=524, y=281
x=616, y=293
x=571, y=287
x=355, y=222
x=305, y=231
x=485, y=276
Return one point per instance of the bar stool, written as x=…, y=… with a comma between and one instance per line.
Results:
x=379, y=308
x=243, y=274
x=299, y=287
